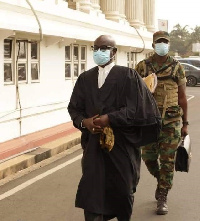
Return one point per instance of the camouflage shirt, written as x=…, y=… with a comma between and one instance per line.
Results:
x=179, y=74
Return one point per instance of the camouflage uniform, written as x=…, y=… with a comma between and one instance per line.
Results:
x=166, y=96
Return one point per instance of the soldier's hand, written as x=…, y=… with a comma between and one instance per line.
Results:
x=102, y=121
x=184, y=131
x=89, y=124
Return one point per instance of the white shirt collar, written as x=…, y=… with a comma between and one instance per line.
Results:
x=103, y=73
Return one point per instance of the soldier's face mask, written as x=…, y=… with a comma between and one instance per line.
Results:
x=161, y=48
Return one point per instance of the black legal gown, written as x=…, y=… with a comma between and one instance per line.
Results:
x=109, y=179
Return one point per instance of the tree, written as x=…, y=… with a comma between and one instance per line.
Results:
x=195, y=35
x=180, y=40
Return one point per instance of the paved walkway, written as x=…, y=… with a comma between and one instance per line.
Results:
x=22, y=152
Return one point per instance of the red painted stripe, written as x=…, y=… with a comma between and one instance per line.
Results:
x=23, y=143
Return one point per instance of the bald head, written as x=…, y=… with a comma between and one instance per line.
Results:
x=105, y=40
x=103, y=45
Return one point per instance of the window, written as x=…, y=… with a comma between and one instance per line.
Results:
x=68, y=61
x=195, y=63
x=22, y=60
x=130, y=60
x=8, y=63
x=83, y=59
x=34, y=62
x=27, y=56
x=75, y=60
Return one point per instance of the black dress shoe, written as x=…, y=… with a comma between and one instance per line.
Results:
x=93, y=216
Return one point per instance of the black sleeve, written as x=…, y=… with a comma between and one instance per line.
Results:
x=138, y=112
x=76, y=107
x=137, y=105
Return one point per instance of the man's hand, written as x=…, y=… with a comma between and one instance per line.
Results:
x=184, y=131
x=102, y=121
x=91, y=126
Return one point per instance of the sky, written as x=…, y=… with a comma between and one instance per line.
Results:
x=183, y=12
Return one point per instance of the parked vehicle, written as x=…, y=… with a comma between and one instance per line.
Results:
x=191, y=60
x=192, y=74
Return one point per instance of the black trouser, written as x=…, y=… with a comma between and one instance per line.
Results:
x=97, y=217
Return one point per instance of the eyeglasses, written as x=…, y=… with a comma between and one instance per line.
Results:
x=102, y=48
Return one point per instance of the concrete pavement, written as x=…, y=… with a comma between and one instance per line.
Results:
x=20, y=153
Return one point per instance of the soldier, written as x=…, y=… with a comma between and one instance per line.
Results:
x=172, y=103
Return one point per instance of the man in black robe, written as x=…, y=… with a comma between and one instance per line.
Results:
x=114, y=96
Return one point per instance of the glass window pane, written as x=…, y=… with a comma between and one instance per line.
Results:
x=21, y=72
x=83, y=50
x=82, y=68
x=7, y=48
x=67, y=70
x=21, y=50
x=76, y=53
x=128, y=56
x=34, y=50
x=196, y=63
x=75, y=70
x=7, y=72
x=131, y=56
x=67, y=53
x=34, y=72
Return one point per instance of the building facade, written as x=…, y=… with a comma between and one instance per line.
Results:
x=46, y=44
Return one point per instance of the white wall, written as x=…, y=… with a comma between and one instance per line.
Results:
x=50, y=96
x=44, y=104
x=121, y=58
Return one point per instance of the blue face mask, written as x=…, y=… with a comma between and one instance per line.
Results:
x=101, y=57
x=161, y=48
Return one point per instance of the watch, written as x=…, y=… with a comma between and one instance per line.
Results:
x=185, y=123
x=82, y=124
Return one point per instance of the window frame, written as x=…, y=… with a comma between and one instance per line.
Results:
x=68, y=61
x=83, y=61
x=20, y=61
x=35, y=61
x=76, y=63
x=16, y=61
x=9, y=61
x=131, y=59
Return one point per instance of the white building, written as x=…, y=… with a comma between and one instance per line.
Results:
x=46, y=44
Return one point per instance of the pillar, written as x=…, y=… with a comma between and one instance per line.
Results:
x=84, y=5
x=134, y=12
x=111, y=9
x=122, y=9
x=149, y=14
x=96, y=5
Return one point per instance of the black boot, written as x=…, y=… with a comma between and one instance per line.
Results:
x=162, y=208
x=157, y=193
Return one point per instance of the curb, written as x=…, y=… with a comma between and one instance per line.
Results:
x=27, y=142
x=43, y=152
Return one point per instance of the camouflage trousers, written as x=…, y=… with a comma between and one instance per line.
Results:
x=159, y=157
